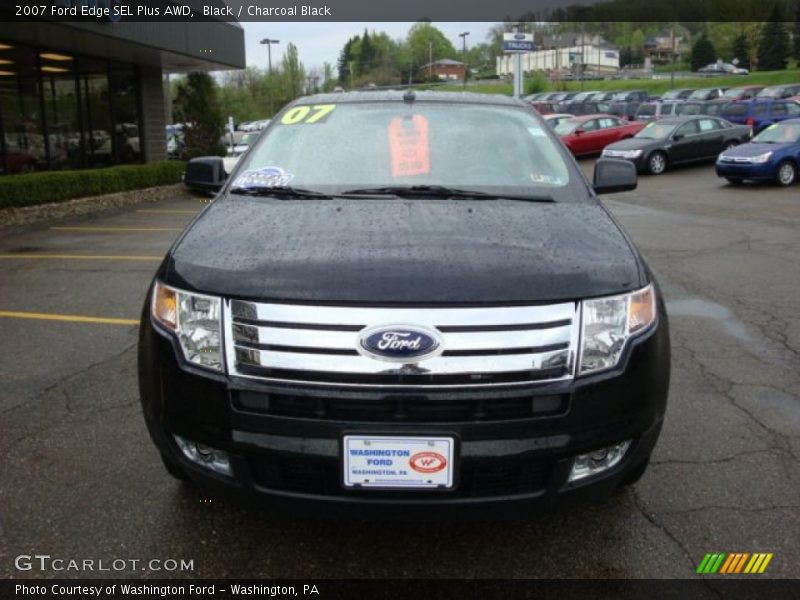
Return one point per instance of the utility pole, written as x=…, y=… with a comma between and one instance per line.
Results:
x=463, y=35
x=430, y=61
x=269, y=43
x=672, y=45
x=583, y=49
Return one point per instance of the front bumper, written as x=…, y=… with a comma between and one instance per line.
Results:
x=284, y=441
x=765, y=171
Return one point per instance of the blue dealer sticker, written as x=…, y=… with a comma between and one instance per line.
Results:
x=263, y=177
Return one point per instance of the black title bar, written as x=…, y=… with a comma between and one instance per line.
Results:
x=188, y=11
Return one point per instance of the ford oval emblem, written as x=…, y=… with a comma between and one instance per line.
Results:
x=519, y=36
x=399, y=343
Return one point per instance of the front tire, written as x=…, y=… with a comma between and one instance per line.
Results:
x=174, y=469
x=657, y=163
x=734, y=180
x=636, y=474
x=787, y=173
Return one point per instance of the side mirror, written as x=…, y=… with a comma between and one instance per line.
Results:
x=677, y=137
x=205, y=174
x=613, y=175
x=579, y=132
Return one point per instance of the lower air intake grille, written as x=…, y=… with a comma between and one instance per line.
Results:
x=475, y=479
x=400, y=408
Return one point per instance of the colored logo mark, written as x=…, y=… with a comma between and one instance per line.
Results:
x=734, y=563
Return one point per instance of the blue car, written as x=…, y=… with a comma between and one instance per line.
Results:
x=772, y=155
x=760, y=113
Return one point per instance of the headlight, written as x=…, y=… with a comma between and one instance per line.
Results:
x=609, y=322
x=622, y=153
x=761, y=158
x=195, y=319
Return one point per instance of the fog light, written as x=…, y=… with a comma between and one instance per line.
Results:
x=598, y=461
x=206, y=456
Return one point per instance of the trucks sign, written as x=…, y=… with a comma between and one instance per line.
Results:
x=518, y=42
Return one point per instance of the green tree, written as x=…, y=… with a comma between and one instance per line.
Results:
x=796, y=47
x=703, y=52
x=796, y=35
x=328, y=80
x=293, y=71
x=741, y=49
x=423, y=40
x=637, y=46
x=773, y=45
x=346, y=59
x=198, y=105
x=366, y=53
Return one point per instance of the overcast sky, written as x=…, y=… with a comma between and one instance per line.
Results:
x=321, y=42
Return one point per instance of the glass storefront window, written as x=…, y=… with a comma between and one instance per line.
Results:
x=22, y=143
x=96, y=112
x=64, y=135
x=125, y=113
x=59, y=111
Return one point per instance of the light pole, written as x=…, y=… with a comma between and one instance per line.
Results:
x=463, y=35
x=269, y=43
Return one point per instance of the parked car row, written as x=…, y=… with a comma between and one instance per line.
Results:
x=772, y=155
x=638, y=105
x=675, y=140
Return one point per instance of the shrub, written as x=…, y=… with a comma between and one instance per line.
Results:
x=56, y=186
x=535, y=84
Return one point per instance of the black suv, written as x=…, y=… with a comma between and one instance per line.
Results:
x=404, y=304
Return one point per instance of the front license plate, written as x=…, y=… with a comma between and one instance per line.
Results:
x=391, y=462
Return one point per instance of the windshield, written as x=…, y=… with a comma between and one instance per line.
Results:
x=656, y=131
x=619, y=96
x=671, y=95
x=734, y=93
x=699, y=94
x=646, y=110
x=779, y=133
x=770, y=93
x=334, y=148
x=566, y=126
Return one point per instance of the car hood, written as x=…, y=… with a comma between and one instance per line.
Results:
x=756, y=149
x=404, y=251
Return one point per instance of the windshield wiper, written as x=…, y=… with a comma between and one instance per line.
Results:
x=440, y=191
x=281, y=191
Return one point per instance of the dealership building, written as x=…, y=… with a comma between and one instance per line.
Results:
x=92, y=94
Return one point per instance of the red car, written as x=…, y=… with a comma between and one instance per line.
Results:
x=589, y=134
x=543, y=107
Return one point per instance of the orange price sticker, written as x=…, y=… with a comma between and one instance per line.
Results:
x=408, y=140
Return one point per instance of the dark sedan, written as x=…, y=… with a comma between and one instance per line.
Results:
x=678, y=140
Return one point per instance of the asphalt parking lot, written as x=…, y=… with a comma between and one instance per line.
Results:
x=79, y=477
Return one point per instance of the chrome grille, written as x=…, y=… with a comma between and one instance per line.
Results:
x=482, y=346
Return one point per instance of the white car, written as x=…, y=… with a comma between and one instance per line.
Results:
x=723, y=68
